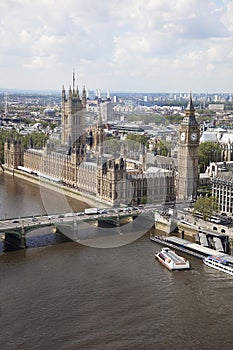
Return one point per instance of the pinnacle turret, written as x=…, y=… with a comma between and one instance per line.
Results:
x=190, y=103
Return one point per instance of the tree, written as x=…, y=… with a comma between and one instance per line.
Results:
x=142, y=139
x=208, y=152
x=161, y=148
x=112, y=146
x=4, y=135
x=37, y=140
x=206, y=206
x=154, y=118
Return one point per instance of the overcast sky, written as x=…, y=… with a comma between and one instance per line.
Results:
x=121, y=45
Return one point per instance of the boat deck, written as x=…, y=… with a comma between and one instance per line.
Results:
x=175, y=258
x=185, y=246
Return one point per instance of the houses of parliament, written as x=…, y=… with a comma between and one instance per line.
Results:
x=82, y=160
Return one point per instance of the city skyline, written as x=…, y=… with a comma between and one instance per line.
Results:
x=118, y=45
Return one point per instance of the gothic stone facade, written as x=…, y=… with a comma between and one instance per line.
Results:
x=188, y=169
x=107, y=179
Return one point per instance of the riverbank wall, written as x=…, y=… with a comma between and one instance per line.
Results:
x=59, y=188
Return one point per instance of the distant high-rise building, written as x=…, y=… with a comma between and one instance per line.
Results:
x=98, y=93
x=115, y=99
x=90, y=94
x=107, y=113
x=6, y=104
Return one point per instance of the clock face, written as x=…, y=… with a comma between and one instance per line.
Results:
x=182, y=136
x=193, y=136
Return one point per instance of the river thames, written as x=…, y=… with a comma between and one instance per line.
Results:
x=68, y=296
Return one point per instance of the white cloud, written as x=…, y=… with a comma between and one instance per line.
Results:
x=40, y=62
x=118, y=44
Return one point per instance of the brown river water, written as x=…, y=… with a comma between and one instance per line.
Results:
x=67, y=296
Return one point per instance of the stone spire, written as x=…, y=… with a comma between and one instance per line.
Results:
x=84, y=97
x=190, y=103
x=73, y=81
x=63, y=93
x=189, y=118
x=100, y=137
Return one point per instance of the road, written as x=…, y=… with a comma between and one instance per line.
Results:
x=67, y=217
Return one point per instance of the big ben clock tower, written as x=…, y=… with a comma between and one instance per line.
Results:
x=188, y=170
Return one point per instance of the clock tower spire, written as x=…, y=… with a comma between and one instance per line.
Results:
x=188, y=170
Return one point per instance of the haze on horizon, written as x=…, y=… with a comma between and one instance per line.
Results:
x=121, y=45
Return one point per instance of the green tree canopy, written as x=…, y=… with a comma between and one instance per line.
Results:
x=111, y=146
x=208, y=152
x=142, y=139
x=206, y=206
x=37, y=140
x=148, y=118
x=162, y=148
x=3, y=136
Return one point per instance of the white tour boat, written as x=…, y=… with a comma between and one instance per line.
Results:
x=171, y=260
x=221, y=263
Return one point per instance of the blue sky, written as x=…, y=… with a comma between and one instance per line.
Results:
x=121, y=45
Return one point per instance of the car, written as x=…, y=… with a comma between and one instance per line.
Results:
x=68, y=215
x=103, y=211
x=50, y=217
x=34, y=219
x=15, y=221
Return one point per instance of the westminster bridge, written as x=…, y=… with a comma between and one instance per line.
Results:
x=79, y=227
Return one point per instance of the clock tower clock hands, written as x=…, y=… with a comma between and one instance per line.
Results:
x=182, y=136
x=193, y=136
